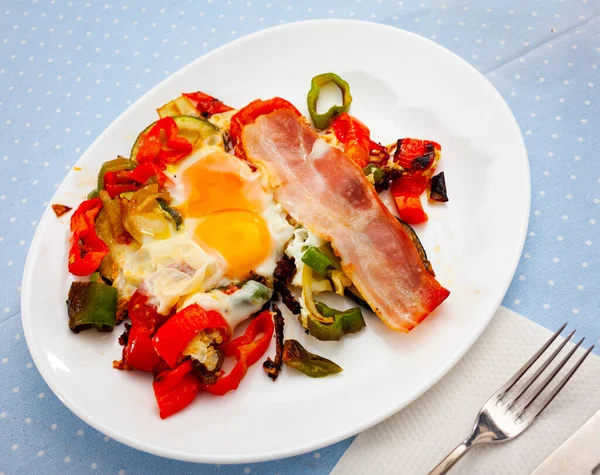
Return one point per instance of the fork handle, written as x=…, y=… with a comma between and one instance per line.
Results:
x=451, y=459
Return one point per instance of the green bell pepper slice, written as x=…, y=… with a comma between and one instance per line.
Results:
x=92, y=305
x=297, y=357
x=322, y=121
x=171, y=212
x=317, y=260
x=344, y=322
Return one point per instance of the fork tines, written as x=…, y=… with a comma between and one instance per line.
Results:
x=524, y=398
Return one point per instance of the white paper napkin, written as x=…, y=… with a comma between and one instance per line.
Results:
x=579, y=454
x=413, y=441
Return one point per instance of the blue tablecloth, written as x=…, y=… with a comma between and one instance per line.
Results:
x=69, y=68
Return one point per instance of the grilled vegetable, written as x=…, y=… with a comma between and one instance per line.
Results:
x=191, y=129
x=297, y=357
x=87, y=249
x=143, y=216
x=437, y=188
x=247, y=350
x=323, y=322
x=92, y=305
x=175, y=389
x=206, y=105
x=273, y=367
x=171, y=212
x=180, y=106
x=317, y=260
x=138, y=351
x=344, y=322
x=59, y=210
x=322, y=121
x=420, y=249
x=115, y=165
x=172, y=339
x=355, y=136
x=375, y=174
x=283, y=275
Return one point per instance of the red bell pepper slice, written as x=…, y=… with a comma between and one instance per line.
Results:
x=247, y=350
x=162, y=144
x=410, y=208
x=139, y=353
x=87, y=249
x=416, y=155
x=207, y=105
x=174, y=389
x=356, y=138
x=144, y=314
x=172, y=338
x=123, y=181
x=418, y=158
x=250, y=113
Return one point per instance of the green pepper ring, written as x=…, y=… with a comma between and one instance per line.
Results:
x=322, y=121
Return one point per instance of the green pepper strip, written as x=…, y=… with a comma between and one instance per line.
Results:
x=297, y=357
x=322, y=121
x=92, y=304
x=317, y=260
x=171, y=212
x=344, y=322
x=115, y=165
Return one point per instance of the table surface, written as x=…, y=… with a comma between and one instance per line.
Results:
x=69, y=68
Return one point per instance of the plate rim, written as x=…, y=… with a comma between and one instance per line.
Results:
x=315, y=443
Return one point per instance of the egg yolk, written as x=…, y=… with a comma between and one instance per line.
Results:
x=240, y=236
x=214, y=184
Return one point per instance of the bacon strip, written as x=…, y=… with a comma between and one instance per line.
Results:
x=328, y=193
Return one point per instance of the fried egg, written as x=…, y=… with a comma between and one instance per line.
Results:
x=233, y=229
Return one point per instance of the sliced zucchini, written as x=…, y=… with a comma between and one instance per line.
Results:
x=420, y=249
x=193, y=129
x=180, y=106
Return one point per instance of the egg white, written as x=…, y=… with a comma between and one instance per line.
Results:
x=180, y=266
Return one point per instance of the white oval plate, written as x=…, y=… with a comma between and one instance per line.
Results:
x=403, y=86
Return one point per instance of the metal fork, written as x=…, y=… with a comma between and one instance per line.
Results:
x=499, y=420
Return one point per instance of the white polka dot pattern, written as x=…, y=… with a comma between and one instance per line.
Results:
x=68, y=68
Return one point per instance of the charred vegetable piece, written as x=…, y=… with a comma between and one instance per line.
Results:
x=59, y=210
x=344, y=322
x=285, y=270
x=353, y=294
x=171, y=212
x=317, y=260
x=437, y=188
x=420, y=249
x=92, y=304
x=322, y=121
x=273, y=367
x=297, y=357
x=206, y=105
